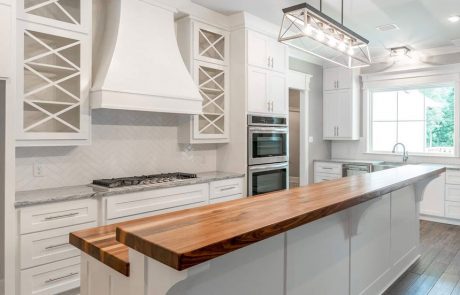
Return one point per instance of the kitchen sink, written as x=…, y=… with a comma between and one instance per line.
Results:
x=388, y=165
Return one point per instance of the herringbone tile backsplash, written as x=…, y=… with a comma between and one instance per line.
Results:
x=124, y=143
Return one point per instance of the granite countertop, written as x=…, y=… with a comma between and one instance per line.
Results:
x=43, y=196
x=348, y=161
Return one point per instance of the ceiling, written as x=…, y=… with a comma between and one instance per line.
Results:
x=423, y=23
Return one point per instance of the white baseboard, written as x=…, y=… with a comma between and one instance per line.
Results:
x=440, y=219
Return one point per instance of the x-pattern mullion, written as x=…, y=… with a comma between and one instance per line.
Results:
x=66, y=13
x=211, y=44
x=213, y=79
x=51, y=116
x=211, y=123
x=212, y=100
x=51, y=2
x=51, y=83
x=33, y=58
x=55, y=51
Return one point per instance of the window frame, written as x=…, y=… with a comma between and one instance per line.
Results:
x=446, y=83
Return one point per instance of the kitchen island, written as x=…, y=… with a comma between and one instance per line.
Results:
x=354, y=235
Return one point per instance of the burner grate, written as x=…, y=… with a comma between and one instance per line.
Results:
x=145, y=179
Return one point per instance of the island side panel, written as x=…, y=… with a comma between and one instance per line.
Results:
x=318, y=257
x=256, y=269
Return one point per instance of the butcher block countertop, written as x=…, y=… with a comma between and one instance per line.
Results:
x=189, y=237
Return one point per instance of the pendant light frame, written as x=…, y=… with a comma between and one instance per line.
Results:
x=310, y=30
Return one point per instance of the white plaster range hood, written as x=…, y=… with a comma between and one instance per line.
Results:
x=137, y=61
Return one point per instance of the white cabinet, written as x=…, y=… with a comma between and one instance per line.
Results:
x=324, y=171
x=337, y=78
x=433, y=198
x=205, y=50
x=152, y=202
x=266, y=53
x=5, y=45
x=341, y=104
x=341, y=115
x=53, y=73
x=72, y=15
x=267, y=92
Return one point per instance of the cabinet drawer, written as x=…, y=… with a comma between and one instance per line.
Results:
x=49, y=246
x=224, y=188
x=53, y=278
x=225, y=199
x=155, y=200
x=330, y=168
x=50, y=216
x=453, y=176
x=453, y=192
x=453, y=209
x=320, y=177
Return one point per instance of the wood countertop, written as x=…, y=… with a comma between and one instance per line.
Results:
x=186, y=238
x=189, y=237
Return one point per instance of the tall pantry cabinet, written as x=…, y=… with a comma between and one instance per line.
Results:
x=53, y=72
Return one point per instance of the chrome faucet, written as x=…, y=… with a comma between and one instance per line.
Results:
x=405, y=154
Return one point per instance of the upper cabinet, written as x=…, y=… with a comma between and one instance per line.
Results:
x=266, y=53
x=210, y=44
x=341, y=104
x=267, y=75
x=53, y=76
x=205, y=51
x=72, y=15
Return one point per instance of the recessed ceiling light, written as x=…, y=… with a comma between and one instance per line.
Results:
x=454, y=18
x=399, y=51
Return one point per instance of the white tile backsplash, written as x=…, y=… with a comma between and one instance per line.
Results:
x=124, y=143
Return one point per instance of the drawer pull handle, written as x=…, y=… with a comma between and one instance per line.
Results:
x=56, y=246
x=61, y=216
x=61, y=278
x=227, y=189
x=326, y=168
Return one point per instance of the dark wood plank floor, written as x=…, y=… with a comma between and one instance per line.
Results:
x=438, y=269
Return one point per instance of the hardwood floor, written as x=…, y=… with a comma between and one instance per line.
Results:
x=438, y=269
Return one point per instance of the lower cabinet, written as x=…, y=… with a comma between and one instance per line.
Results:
x=324, y=171
x=52, y=278
x=441, y=199
x=48, y=264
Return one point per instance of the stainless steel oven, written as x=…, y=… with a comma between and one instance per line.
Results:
x=267, y=178
x=267, y=140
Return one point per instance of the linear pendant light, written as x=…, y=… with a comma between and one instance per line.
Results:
x=310, y=30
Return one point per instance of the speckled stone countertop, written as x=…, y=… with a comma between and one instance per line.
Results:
x=43, y=196
x=348, y=161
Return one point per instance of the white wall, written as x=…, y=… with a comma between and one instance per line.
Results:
x=124, y=143
x=319, y=149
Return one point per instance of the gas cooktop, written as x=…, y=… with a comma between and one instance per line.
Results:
x=145, y=179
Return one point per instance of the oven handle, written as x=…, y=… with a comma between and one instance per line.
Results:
x=266, y=167
x=269, y=129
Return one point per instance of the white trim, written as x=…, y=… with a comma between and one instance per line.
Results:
x=301, y=81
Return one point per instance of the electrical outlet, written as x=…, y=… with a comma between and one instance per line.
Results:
x=38, y=169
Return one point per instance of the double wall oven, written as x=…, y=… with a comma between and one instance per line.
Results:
x=268, y=154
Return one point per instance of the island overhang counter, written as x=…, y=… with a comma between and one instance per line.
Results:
x=355, y=235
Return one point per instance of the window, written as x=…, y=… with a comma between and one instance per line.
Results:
x=423, y=119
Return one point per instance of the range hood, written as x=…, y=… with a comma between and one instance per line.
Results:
x=136, y=60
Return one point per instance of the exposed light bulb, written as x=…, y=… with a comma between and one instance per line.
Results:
x=454, y=18
x=320, y=35
x=350, y=51
x=308, y=29
x=332, y=41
